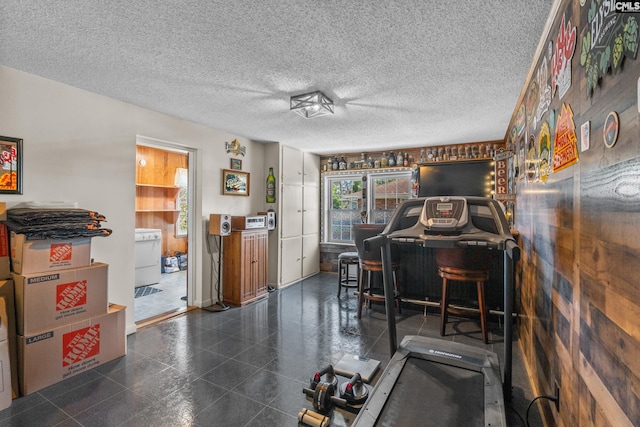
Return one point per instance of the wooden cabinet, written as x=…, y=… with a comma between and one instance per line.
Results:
x=244, y=266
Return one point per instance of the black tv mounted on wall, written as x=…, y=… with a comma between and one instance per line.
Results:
x=464, y=178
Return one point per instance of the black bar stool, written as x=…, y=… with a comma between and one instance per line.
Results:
x=345, y=280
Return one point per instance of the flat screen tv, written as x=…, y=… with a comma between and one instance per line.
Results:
x=468, y=178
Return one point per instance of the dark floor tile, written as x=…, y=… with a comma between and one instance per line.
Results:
x=42, y=415
x=136, y=371
x=264, y=386
x=195, y=396
x=258, y=355
x=230, y=374
x=193, y=361
x=270, y=417
x=230, y=347
x=232, y=409
x=69, y=384
x=87, y=395
x=21, y=405
x=162, y=383
x=114, y=411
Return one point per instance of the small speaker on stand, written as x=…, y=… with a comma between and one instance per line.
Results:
x=219, y=225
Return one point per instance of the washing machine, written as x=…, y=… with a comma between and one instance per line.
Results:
x=148, y=256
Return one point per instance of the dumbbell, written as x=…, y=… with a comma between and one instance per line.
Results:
x=330, y=377
x=355, y=392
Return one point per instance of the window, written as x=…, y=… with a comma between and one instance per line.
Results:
x=346, y=197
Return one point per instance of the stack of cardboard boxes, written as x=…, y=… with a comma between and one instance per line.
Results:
x=64, y=324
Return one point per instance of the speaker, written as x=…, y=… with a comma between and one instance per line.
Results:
x=271, y=219
x=220, y=224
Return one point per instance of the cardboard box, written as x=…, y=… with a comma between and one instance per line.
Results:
x=8, y=317
x=40, y=256
x=55, y=355
x=5, y=363
x=5, y=262
x=50, y=300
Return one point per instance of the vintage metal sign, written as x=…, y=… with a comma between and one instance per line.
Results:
x=565, y=149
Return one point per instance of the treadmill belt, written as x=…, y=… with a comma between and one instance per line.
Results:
x=433, y=394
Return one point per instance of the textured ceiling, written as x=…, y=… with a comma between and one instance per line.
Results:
x=403, y=73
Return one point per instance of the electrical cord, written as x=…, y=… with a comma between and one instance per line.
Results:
x=546, y=396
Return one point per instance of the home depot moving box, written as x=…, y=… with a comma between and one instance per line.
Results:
x=8, y=317
x=57, y=354
x=39, y=256
x=49, y=300
x=5, y=363
x=5, y=265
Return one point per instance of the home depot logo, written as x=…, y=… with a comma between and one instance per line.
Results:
x=81, y=344
x=69, y=295
x=60, y=252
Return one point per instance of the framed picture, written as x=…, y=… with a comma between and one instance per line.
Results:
x=236, y=164
x=10, y=165
x=235, y=183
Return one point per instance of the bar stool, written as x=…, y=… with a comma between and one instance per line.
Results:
x=463, y=265
x=345, y=260
x=371, y=262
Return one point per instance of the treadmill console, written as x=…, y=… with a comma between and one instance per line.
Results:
x=445, y=214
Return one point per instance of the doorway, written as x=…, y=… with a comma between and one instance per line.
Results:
x=164, y=201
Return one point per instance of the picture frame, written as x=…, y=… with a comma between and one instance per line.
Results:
x=10, y=165
x=235, y=183
x=236, y=164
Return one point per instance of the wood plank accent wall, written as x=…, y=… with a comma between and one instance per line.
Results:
x=580, y=271
x=159, y=171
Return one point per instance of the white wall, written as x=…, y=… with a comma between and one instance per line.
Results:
x=80, y=146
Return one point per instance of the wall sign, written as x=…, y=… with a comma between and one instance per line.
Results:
x=610, y=130
x=561, y=61
x=544, y=147
x=10, y=165
x=532, y=159
x=235, y=148
x=502, y=159
x=585, y=136
x=544, y=90
x=610, y=36
x=565, y=150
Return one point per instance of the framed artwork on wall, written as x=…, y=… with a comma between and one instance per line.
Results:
x=235, y=183
x=10, y=165
x=236, y=164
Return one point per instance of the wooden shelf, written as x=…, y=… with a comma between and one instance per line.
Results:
x=172, y=187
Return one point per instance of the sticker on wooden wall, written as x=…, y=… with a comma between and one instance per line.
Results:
x=608, y=38
x=531, y=102
x=611, y=128
x=585, y=135
x=532, y=159
x=565, y=150
x=544, y=90
x=544, y=147
x=520, y=119
x=561, y=61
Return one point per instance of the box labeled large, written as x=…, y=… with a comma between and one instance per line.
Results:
x=39, y=256
x=8, y=318
x=57, y=298
x=57, y=354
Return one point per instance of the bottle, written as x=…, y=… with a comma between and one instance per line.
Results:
x=400, y=159
x=271, y=187
x=406, y=160
x=343, y=164
x=392, y=160
x=383, y=160
x=371, y=164
x=334, y=165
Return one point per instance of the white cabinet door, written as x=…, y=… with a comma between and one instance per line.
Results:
x=311, y=210
x=311, y=168
x=291, y=263
x=290, y=221
x=292, y=164
x=310, y=254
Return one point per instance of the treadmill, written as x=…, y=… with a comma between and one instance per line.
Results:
x=432, y=381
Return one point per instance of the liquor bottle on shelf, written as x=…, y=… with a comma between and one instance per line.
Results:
x=371, y=164
x=400, y=159
x=383, y=160
x=334, y=164
x=271, y=187
x=392, y=160
x=342, y=165
x=406, y=161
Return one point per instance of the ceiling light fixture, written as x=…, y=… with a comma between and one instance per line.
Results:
x=313, y=104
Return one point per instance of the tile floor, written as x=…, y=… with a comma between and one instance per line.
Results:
x=242, y=367
x=174, y=287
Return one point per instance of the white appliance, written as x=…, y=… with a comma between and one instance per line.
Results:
x=148, y=256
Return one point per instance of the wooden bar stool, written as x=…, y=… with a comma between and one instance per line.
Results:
x=371, y=262
x=470, y=265
x=345, y=260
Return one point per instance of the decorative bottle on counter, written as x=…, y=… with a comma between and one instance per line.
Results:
x=383, y=160
x=271, y=187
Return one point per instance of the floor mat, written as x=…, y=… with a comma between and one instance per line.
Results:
x=143, y=291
